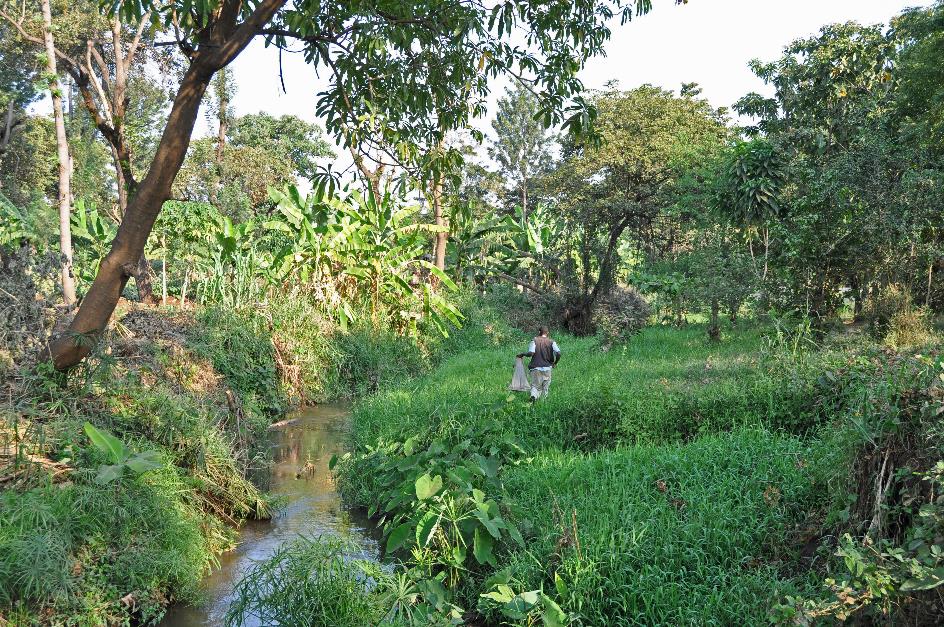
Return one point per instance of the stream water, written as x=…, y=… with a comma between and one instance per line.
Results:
x=312, y=507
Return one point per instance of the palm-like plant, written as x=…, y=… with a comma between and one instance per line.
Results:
x=478, y=246
x=15, y=225
x=93, y=232
x=350, y=245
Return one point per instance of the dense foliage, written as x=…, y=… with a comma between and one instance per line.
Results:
x=745, y=426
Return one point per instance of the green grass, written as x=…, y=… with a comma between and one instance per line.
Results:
x=309, y=582
x=666, y=385
x=680, y=466
x=668, y=535
x=76, y=550
x=320, y=362
x=79, y=552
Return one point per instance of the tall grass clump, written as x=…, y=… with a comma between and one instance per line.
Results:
x=94, y=554
x=321, y=361
x=312, y=582
x=239, y=345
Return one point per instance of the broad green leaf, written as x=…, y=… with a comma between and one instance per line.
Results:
x=427, y=486
x=514, y=533
x=398, y=536
x=488, y=523
x=426, y=528
x=521, y=605
x=144, y=462
x=482, y=547
x=502, y=594
x=107, y=443
x=561, y=586
x=553, y=615
x=110, y=473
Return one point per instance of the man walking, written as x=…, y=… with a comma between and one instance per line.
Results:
x=544, y=354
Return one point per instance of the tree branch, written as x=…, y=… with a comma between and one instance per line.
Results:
x=136, y=41
x=528, y=286
x=34, y=39
x=235, y=41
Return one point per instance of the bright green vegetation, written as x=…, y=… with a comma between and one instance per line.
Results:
x=327, y=588
x=745, y=426
x=71, y=543
x=655, y=484
x=670, y=534
x=672, y=481
x=665, y=385
x=192, y=392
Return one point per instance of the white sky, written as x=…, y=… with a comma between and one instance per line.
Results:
x=705, y=41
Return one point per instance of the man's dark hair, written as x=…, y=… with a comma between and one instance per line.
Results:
x=542, y=330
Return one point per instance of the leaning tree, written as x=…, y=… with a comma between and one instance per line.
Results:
x=401, y=75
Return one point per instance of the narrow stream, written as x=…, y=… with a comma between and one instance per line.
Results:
x=312, y=507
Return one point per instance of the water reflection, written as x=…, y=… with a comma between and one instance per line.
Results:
x=301, y=450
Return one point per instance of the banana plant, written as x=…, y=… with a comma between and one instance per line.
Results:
x=355, y=246
x=93, y=231
x=479, y=247
x=238, y=271
x=122, y=461
x=15, y=227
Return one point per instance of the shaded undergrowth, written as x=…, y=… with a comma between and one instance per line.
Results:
x=78, y=550
x=194, y=389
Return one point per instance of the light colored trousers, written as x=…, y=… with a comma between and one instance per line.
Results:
x=540, y=382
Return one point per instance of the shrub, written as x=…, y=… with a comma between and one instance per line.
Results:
x=622, y=313
x=886, y=509
x=910, y=327
x=894, y=318
x=239, y=344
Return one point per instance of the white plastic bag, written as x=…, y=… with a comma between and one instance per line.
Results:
x=519, y=382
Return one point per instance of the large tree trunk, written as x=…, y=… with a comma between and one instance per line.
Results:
x=62, y=151
x=142, y=271
x=7, y=127
x=122, y=149
x=223, y=42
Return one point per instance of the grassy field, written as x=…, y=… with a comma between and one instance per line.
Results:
x=665, y=480
x=667, y=385
x=671, y=534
